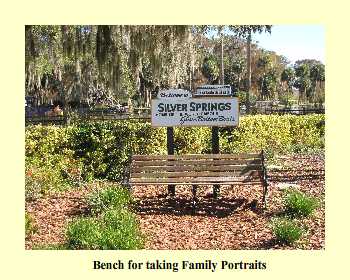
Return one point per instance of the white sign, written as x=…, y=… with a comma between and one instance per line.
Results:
x=174, y=93
x=213, y=90
x=195, y=112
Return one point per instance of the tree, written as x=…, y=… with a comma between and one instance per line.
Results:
x=317, y=76
x=302, y=82
x=110, y=56
x=210, y=69
x=288, y=77
x=246, y=31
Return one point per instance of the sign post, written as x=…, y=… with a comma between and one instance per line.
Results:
x=211, y=105
x=170, y=147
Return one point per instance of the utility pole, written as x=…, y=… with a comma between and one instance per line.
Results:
x=222, y=60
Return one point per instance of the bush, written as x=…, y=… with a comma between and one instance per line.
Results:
x=42, y=180
x=105, y=147
x=120, y=230
x=109, y=198
x=192, y=140
x=30, y=226
x=114, y=229
x=101, y=149
x=84, y=233
x=286, y=231
x=298, y=204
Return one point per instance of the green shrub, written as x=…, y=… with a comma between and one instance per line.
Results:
x=286, y=231
x=192, y=140
x=101, y=150
x=41, y=180
x=84, y=233
x=298, y=204
x=120, y=230
x=105, y=147
x=30, y=226
x=108, y=198
x=114, y=229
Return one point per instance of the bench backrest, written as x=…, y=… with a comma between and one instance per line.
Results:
x=195, y=168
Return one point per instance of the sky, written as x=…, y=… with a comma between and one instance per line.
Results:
x=295, y=42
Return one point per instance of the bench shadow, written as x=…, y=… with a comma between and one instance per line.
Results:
x=206, y=206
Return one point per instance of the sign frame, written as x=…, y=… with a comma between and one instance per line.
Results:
x=183, y=104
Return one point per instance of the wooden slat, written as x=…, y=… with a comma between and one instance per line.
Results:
x=202, y=156
x=194, y=174
x=204, y=180
x=193, y=162
x=165, y=168
x=254, y=182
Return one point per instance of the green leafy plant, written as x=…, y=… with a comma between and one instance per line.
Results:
x=286, y=231
x=84, y=233
x=41, y=180
x=114, y=229
x=299, y=204
x=30, y=226
x=108, y=198
x=101, y=149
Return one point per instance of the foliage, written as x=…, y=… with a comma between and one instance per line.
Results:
x=30, y=226
x=286, y=231
x=298, y=204
x=114, y=230
x=276, y=134
x=102, y=149
x=105, y=147
x=109, y=198
x=210, y=69
x=41, y=180
x=192, y=140
x=50, y=162
x=268, y=83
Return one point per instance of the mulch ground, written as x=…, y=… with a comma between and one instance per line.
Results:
x=230, y=222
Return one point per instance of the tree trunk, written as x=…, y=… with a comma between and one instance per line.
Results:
x=249, y=39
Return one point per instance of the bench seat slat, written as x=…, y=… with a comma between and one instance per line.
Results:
x=250, y=183
x=196, y=174
x=166, y=168
x=201, y=156
x=183, y=180
x=193, y=162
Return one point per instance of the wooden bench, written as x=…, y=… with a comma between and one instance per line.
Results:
x=203, y=169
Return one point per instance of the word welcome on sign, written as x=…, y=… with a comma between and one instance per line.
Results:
x=220, y=111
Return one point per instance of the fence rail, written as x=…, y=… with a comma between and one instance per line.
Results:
x=140, y=114
x=300, y=111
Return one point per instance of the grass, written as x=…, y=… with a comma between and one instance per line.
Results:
x=298, y=204
x=286, y=231
x=115, y=229
x=109, y=198
x=30, y=226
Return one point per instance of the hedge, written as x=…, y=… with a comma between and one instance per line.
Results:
x=101, y=149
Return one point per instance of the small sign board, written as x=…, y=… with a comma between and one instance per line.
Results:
x=174, y=94
x=213, y=90
x=221, y=111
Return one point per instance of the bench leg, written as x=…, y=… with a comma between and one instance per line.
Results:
x=194, y=193
x=171, y=190
x=264, y=194
x=216, y=191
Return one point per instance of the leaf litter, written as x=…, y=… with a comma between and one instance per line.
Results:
x=230, y=222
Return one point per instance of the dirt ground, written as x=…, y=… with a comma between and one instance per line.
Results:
x=230, y=222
